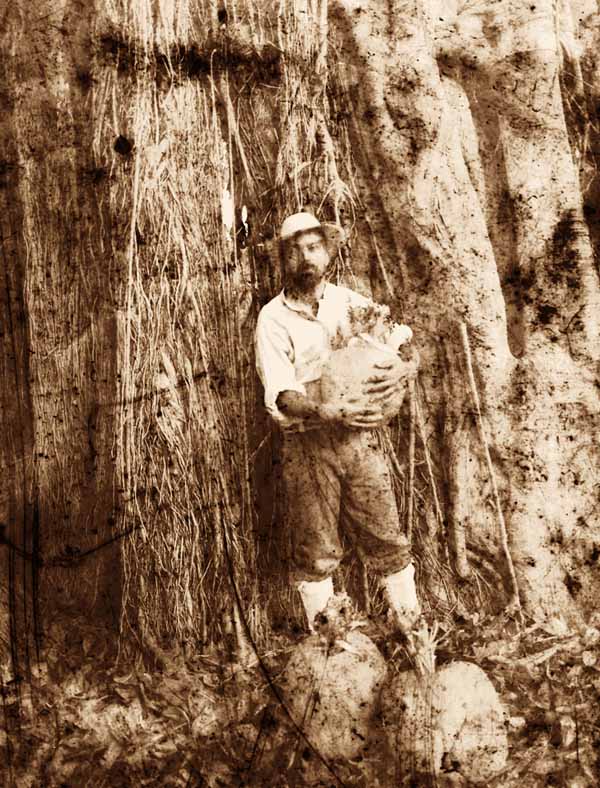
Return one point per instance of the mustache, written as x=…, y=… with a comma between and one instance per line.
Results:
x=304, y=277
x=308, y=269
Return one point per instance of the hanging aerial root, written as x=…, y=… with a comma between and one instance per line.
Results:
x=458, y=481
x=516, y=601
x=410, y=505
x=421, y=425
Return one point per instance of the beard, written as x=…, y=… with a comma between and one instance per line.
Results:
x=302, y=282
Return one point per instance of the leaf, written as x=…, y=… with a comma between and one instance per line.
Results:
x=112, y=753
x=574, y=672
x=517, y=723
x=206, y=723
x=174, y=713
x=165, y=747
x=589, y=658
x=496, y=650
x=126, y=694
x=212, y=681
x=591, y=636
x=568, y=730
x=539, y=658
x=557, y=627
x=73, y=687
x=122, y=679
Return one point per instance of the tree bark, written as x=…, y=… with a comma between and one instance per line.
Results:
x=415, y=116
x=151, y=151
x=58, y=324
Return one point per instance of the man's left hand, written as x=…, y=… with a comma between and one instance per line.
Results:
x=384, y=383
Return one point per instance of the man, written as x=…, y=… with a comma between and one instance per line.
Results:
x=334, y=468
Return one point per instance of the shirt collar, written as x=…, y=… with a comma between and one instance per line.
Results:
x=300, y=306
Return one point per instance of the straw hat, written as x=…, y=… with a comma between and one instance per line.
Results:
x=304, y=222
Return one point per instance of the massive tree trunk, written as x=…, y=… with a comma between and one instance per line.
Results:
x=151, y=148
x=59, y=360
x=531, y=444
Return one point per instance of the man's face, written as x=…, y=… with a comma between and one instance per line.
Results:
x=306, y=262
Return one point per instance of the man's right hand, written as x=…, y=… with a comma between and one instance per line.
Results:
x=356, y=413
x=352, y=413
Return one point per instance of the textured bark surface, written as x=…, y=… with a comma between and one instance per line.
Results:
x=458, y=147
x=422, y=71
x=149, y=150
x=58, y=320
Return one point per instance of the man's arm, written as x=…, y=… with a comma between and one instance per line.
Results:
x=275, y=369
x=351, y=414
x=286, y=399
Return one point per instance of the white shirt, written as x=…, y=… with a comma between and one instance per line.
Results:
x=292, y=345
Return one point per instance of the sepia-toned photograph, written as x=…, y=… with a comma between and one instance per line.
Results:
x=299, y=393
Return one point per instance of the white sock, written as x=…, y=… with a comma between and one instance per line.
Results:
x=315, y=596
x=402, y=592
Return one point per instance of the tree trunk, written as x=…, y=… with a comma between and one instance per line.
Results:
x=531, y=402
x=152, y=148
x=58, y=316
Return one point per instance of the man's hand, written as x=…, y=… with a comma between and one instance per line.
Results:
x=352, y=414
x=384, y=383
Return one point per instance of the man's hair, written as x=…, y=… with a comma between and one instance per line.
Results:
x=286, y=246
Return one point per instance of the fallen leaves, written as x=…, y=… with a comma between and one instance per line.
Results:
x=213, y=722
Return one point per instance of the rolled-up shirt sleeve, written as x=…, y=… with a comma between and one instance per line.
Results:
x=274, y=354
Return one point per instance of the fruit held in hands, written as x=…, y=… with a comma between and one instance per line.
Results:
x=344, y=378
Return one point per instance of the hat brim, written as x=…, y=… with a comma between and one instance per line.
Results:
x=334, y=233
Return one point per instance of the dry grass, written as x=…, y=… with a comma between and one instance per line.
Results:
x=187, y=396
x=183, y=441
x=187, y=429
x=180, y=427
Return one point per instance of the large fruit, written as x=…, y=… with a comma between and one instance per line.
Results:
x=451, y=719
x=344, y=375
x=332, y=688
